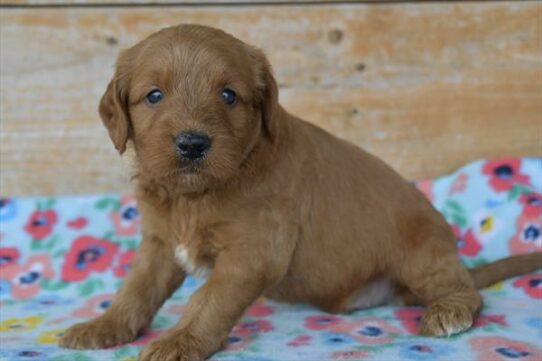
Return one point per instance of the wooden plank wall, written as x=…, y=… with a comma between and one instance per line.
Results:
x=425, y=86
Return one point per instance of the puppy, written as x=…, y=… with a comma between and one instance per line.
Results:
x=233, y=187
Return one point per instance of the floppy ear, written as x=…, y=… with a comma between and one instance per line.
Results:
x=113, y=110
x=269, y=94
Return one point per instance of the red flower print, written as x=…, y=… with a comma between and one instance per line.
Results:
x=25, y=279
x=504, y=173
x=94, y=306
x=249, y=328
x=86, y=255
x=242, y=334
x=486, y=320
x=8, y=256
x=368, y=330
x=125, y=260
x=528, y=237
x=40, y=224
x=77, y=223
x=127, y=219
x=497, y=348
x=459, y=184
x=532, y=204
x=467, y=244
x=260, y=309
x=426, y=187
x=237, y=342
x=301, y=340
x=349, y=355
x=322, y=322
x=531, y=284
x=410, y=318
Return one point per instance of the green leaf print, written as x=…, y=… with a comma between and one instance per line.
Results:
x=86, y=289
x=81, y=357
x=517, y=190
x=108, y=202
x=36, y=245
x=90, y=287
x=131, y=244
x=454, y=205
x=50, y=285
x=459, y=220
x=125, y=353
x=472, y=263
x=59, y=253
x=160, y=322
x=454, y=212
x=49, y=203
x=51, y=243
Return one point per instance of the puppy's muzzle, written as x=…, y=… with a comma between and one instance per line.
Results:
x=192, y=145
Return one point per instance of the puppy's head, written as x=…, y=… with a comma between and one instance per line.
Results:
x=194, y=101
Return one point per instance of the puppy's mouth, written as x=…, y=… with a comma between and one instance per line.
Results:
x=194, y=166
x=190, y=169
x=186, y=168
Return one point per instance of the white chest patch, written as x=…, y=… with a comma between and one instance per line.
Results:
x=183, y=259
x=374, y=293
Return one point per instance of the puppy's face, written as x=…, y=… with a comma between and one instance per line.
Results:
x=194, y=101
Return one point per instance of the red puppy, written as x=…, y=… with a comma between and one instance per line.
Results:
x=232, y=186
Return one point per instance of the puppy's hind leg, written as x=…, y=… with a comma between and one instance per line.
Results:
x=434, y=275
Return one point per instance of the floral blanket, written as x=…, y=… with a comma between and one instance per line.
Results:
x=62, y=258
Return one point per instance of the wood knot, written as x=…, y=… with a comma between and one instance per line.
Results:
x=111, y=40
x=335, y=36
x=360, y=67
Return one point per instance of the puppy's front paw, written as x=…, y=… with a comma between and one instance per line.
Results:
x=98, y=333
x=445, y=320
x=173, y=346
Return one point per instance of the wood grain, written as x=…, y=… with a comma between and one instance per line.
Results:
x=427, y=87
x=76, y=3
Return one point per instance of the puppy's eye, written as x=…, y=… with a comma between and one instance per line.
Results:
x=229, y=96
x=154, y=96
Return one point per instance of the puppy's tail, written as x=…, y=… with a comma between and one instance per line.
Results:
x=491, y=273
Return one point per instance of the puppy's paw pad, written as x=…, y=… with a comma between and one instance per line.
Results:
x=445, y=321
x=94, y=335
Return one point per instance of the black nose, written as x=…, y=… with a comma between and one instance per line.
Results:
x=192, y=145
